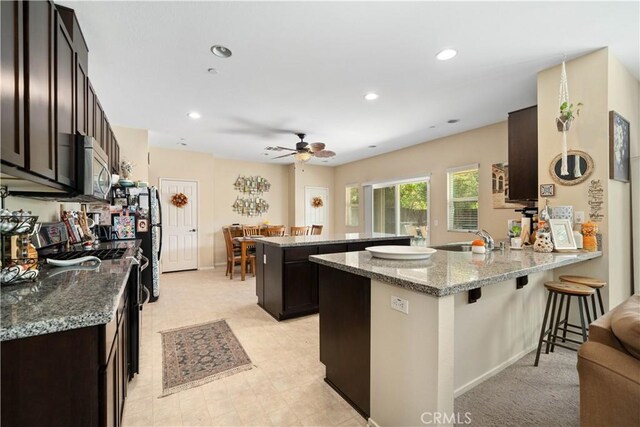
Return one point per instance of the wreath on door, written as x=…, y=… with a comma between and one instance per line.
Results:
x=179, y=200
x=317, y=202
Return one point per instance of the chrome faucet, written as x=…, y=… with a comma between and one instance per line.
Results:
x=488, y=239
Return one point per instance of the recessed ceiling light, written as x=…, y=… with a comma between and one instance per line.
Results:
x=371, y=96
x=325, y=161
x=372, y=146
x=220, y=51
x=194, y=115
x=453, y=121
x=432, y=126
x=212, y=71
x=446, y=54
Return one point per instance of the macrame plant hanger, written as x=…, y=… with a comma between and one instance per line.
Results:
x=565, y=124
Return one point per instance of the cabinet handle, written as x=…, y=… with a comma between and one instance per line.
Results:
x=193, y=230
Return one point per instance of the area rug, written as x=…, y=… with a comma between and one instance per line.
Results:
x=195, y=355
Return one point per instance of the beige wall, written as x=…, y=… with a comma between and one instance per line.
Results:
x=590, y=82
x=46, y=211
x=485, y=146
x=179, y=164
x=225, y=172
x=313, y=176
x=134, y=147
x=624, y=96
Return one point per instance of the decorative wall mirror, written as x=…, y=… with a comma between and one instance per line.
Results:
x=580, y=167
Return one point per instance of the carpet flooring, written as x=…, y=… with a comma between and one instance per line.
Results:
x=524, y=395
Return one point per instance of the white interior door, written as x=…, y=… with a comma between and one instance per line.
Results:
x=316, y=215
x=179, y=226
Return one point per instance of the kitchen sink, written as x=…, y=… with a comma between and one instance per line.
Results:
x=456, y=247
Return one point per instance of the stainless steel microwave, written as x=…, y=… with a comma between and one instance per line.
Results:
x=94, y=175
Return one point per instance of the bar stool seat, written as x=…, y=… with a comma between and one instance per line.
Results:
x=551, y=322
x=592, y=282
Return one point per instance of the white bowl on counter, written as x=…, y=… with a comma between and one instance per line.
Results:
x=401, y=252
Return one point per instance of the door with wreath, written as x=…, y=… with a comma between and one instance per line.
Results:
x=179, y=199
x=316, y=201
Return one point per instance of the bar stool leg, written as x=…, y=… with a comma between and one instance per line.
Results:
x=600, y=300
x=584, y=330
x=586, y=309
x=566, y=320
x=542, y=330
x=593, y=305
x=557, y=325
x=551, y=323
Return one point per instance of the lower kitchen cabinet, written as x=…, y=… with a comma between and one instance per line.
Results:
x=71, y=378
x=287, y=282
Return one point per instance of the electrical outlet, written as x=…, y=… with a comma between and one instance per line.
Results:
x=435, y=222
x=400, y=304
x=578, y=217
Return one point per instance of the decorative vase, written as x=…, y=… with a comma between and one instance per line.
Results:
x=543, y=243
x=589, y=241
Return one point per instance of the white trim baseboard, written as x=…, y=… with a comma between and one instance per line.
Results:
x=471, y=384
x=372, y=423
x=207, y=268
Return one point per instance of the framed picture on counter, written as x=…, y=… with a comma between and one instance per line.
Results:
x=562, y=234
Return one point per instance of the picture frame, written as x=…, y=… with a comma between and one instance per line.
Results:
x=619, y=163
x=562, y=234
x=120, y=201
x=142, y=225
x=123, y=226
x=547, y=190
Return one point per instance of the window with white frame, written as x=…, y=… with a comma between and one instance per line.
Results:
x=352, y=205
x=462, y=199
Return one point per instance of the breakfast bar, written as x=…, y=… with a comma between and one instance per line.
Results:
x=400, y=339
x=287, y=282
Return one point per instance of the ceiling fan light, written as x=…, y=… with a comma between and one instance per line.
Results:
x=303, y=157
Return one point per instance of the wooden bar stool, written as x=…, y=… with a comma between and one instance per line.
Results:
x=591, y=282
x=551, y=322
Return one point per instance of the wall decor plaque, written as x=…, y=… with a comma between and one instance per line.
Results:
x=596, y=199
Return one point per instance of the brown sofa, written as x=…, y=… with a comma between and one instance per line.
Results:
x=609, y=368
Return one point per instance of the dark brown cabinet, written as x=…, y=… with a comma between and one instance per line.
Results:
x=523, y=154
x=82, y=89
x=100, y=121
x=91, y=110
x=39, y=88
x=345, y=334
x=12, y=94
x=74, y=378
x=65, y=82
x=115, y=156
x=287, y=282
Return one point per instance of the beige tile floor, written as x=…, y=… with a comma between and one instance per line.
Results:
x=285, y=387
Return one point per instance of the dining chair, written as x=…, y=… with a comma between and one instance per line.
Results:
x=299, y=231
x=233, y=255
x=316, y=230
x=275, y=231
x=250, y=230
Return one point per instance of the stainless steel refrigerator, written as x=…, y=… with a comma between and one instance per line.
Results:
x=152, y=243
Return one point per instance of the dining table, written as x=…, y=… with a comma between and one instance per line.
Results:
x=245, y=243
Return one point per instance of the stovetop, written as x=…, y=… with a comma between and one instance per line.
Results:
x=103, y=254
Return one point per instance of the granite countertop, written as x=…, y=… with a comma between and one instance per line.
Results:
x=65, y=298
x=446, y=272
x=292, y=241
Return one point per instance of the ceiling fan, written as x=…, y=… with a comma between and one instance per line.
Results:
x=305, y=151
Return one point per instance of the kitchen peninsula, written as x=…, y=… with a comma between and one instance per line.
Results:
x=287, y=282
x=394, y=365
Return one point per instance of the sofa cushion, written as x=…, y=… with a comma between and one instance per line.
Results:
x=625, y=323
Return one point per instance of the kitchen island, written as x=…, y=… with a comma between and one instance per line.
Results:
x=66, y=342
x=400, y=366
x=287, y=282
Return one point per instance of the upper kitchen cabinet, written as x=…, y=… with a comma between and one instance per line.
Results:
x=91, y=110
x=82, y=92
x=39, y=88
x=65, y=123
x=523, y=154
x=72, y=26
x=100, y=125
x=12, y=83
